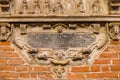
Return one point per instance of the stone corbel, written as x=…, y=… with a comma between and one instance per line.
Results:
x=114, y=31
x=59, y=71
x=5, y=31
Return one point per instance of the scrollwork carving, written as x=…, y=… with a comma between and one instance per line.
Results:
x=82, y=54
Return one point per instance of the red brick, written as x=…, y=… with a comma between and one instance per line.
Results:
x=6, y=49
x=119, y=76
x=102, y=75
x=93, y=75
x=46, y=76
x=116, y=61
x=33, y=75
x=30, y=68
x=24, y=75
x=109, y=75
x=16, y=61
x=109, y=55
x=42, y=76
x=21, y=68
x=7, y=68
x=3, y=61
x=49, y=75
x=4, y=43
x=112, y=49
x=75, y=76
x=112, y=42
x=80, y=69
x=115, y=68
x=9, y=55
x=95, y=68
x=105, y=68
x=102, y=61
x=9, y=75
x=41, y=68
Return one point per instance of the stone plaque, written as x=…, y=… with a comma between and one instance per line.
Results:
x=58, y=41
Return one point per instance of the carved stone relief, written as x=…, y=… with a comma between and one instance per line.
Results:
x=114, y=31
x=5, y=31
x=98, y=7
x=54, y=7
x=60, y=44
x=59, y=71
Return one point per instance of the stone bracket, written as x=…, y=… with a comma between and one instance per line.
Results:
x=114, y=31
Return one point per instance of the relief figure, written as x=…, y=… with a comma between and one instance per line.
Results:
x=80, y=6
x=58, y=7
x=24, y=8
x=37, y=7
x=69, y=7
x=96, y=7
x=48, y=8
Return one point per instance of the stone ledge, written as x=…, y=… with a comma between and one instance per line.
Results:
x=59, y=18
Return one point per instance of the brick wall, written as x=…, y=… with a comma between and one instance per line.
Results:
x=105, y=67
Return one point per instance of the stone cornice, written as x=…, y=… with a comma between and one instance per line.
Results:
x=59, y=18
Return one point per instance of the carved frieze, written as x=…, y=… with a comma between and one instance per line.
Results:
x=54, y=7
x=59, y=7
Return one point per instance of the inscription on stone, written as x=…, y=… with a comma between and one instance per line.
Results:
x=60, y=41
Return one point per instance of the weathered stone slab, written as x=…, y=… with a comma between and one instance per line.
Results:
x=60, y=41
